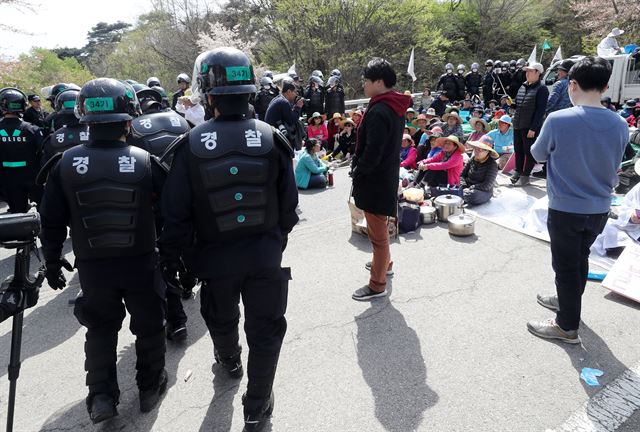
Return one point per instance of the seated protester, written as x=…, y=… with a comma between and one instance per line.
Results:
x=503, y=140
x=621, y=232
x=310, y=170
x=333, y=128
x=439, y=104
x=421, y=122
x=408, y=153
x=356, y=116
x=444, y=168
x=427, y=147
x=410, y=115
x=627, y=108
x=453, y=125
x=346, y=141
x=317, y=129
x=493, y=104
x=504, y=103
x=409, y=129
x=493, y=124
x=477, y=112
x=480, y=128
x=479, y=174
x=635, y=115
x=606, y=102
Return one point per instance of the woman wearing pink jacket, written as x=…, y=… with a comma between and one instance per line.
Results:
x=444, y=168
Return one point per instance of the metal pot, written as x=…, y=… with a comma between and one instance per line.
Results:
x=427, y=215
x=447, y=205
x=462, y=224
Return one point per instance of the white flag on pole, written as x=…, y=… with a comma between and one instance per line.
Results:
x=292, y=69
x=410, y=68
x=557, y=56
x=534, y=55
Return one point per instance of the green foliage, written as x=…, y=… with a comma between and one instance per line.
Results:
x=41, y=68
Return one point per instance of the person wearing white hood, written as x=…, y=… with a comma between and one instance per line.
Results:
x=625, y=230
x=609, y=45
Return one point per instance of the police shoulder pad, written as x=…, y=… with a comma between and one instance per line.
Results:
x=43, y=174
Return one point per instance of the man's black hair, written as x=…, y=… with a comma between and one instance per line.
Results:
x=591, y=73
x=287, y=84
x=380, y=69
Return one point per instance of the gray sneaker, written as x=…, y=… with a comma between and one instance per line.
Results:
x=550, y=302
x=365, y=293
x=548, y=329
x=368, y=267
x=522, y=181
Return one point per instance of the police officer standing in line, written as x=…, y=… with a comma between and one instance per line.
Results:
x=71, y=133
x=488, y=83
x=35, y=114
x=473, y=81
x=183, y=84
x=20, y=144
x=104, y=191
x=232, y=180
x=448, y=83
x=154, y=132
x=51, y=122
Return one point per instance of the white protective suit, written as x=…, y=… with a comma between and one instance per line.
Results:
x=620, y=232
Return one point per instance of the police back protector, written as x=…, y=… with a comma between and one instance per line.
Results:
x=233, y=170
x=109, y=191
x=65, y=138
x=154, y=132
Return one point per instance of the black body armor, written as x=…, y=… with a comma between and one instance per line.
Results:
x=154, y=132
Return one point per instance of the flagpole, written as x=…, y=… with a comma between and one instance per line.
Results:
x=541, y=54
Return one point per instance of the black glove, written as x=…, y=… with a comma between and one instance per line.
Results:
x=169, y=270
x=54, y=275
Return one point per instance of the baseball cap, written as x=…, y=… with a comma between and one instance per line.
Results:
x=535, y=66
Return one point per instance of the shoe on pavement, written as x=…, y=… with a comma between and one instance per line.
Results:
x=550, y=302
x=365, y=293
x=101, y=407
x=522, y=181
x=548, y=329
x=232, y=364
x=368, y=267
x=514, y=178
x=256, y=420
x=149, y=398
x=176, y=332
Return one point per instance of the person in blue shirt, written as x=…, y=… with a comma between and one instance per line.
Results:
x=503, y=140
x=559, y=96
x=310, y=171
x=284, y=111
x=583, y=148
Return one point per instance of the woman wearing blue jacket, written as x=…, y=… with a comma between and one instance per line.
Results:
x=310, y=169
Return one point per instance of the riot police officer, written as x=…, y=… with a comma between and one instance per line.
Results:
x=154, y=131
x=71, y=133
x=104, y=191
x=153, y=82
x=315, y=93
x=183, y=81
x=20, y=144
x=51, y=122
x=334, y=97
x=518, y=78
x=35, y=114
x=264, y=97
x=448, y=82
x=232, y=180
x=461, y=82
x=505, y=79
x=473, y=80
x=488, y=83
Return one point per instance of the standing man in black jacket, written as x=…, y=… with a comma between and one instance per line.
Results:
x=35, y=114
x=376, y=166
x=531, y=103
x=232, y=182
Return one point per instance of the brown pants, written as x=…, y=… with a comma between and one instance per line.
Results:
x=379, y=236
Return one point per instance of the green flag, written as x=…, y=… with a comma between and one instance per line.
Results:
x=545, y=45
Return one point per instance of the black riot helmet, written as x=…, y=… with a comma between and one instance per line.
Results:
x=317, y=80
x=488, y=63
x=153, y=82
x=150, y=99
x=59, y=88
x=65, y=102
x=183, y=77
x=106, y=100
x=163, y=94
x=12, y=100
x=226, y=71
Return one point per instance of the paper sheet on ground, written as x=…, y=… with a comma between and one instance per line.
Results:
x=624, y=277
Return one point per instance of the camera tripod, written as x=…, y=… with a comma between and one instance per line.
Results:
x=29, y=287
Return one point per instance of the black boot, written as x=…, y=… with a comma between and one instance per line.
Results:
x=149, y=398
x=232, y=364
x=257, y=415
x=176, y=332
x=101, y=407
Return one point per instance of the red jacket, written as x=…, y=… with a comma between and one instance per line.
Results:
x=409, y=161
x=454, y=166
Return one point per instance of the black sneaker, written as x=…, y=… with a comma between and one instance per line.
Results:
x=176, y=332
x=101, y=407
x=365, y=293
x=255, y=421
x=150, y=398
x=514, y=178
x=232, y=364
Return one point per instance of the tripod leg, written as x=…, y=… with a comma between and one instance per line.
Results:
x=14, y=367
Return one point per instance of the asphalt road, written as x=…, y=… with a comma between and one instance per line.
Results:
x=447, y=351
